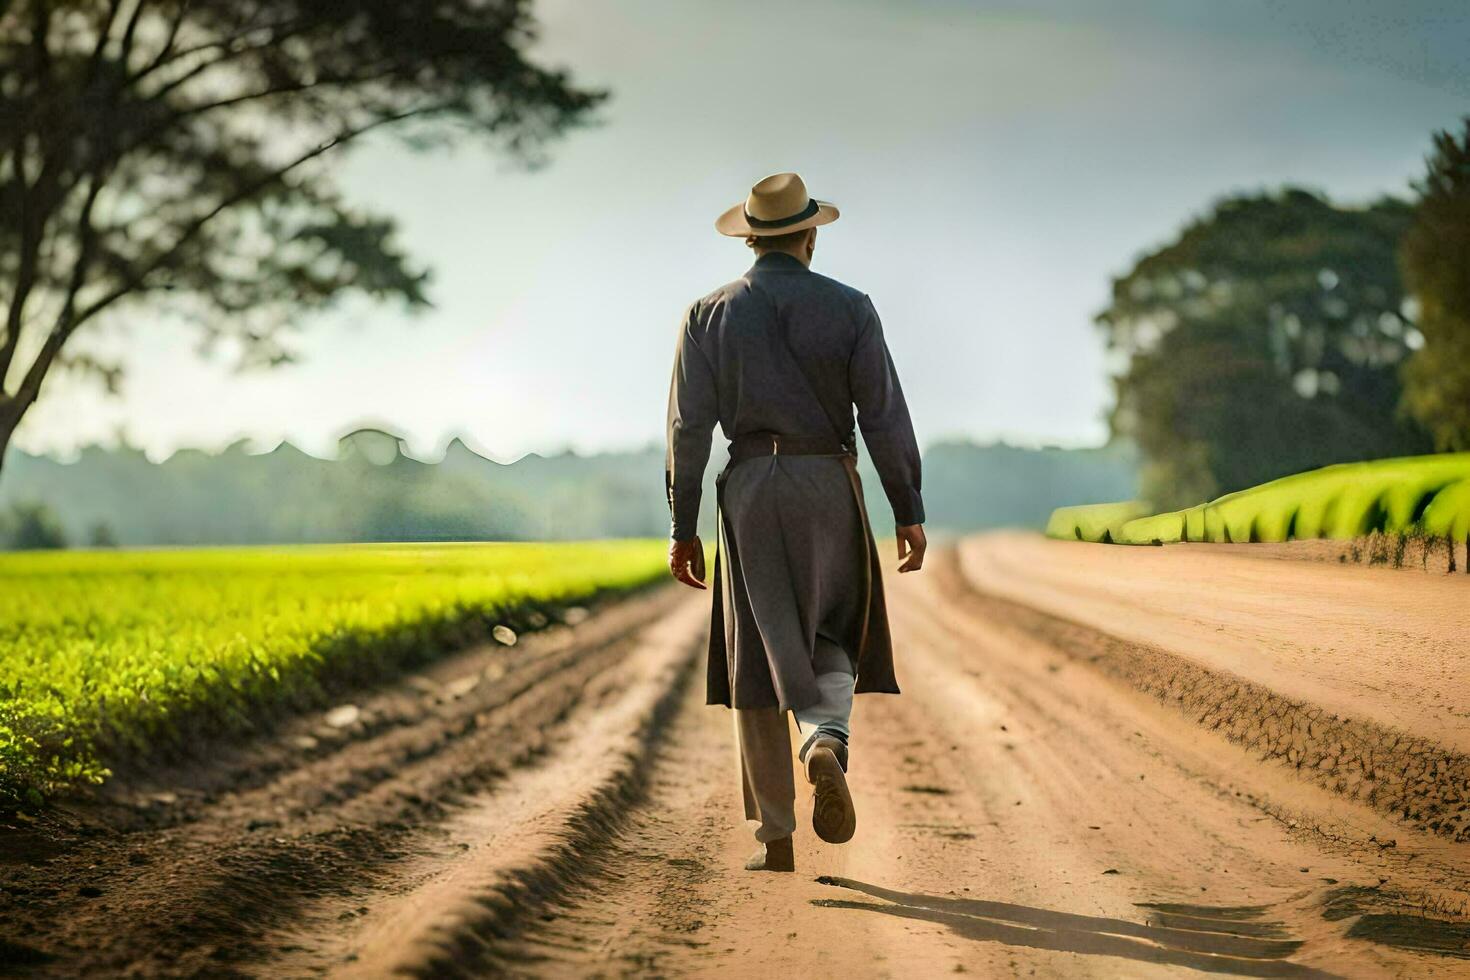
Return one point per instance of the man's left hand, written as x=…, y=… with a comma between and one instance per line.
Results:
x=686, y=562
x=911, y=547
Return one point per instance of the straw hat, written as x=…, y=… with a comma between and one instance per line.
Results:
x=777, y=205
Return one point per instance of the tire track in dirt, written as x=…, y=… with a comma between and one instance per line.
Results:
x=296, y=829
x=1020, y=813
x=1412, y=779
x=1372, y=644
x=536, y=836
x=1403, y=775
x=1399, y=873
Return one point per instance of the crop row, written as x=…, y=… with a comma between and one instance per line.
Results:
x=112, y=656
x=1426, y=495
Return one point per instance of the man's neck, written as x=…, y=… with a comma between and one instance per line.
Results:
x=801, y=257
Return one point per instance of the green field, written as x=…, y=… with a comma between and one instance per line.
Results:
x=1425, y=495
x=109, y=655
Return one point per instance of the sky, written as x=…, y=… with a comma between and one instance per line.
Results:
x=995, y=164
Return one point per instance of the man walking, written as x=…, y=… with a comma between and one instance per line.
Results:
x=779, y=358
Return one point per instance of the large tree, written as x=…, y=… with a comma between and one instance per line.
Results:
x=173, y=156
x=1436, y=264
x=1266, y=339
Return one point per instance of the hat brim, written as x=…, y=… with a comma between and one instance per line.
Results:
x=733, y=222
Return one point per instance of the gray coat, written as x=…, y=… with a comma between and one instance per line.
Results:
x=785, y=350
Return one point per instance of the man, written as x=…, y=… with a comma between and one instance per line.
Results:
x=779, y=358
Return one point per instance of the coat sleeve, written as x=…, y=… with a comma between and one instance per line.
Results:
x=883, y=416
x=693, y=411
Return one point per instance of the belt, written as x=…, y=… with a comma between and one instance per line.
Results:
x=753, y=444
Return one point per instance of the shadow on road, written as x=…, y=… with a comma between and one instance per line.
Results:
x=1225, y=941
x=1382, y=917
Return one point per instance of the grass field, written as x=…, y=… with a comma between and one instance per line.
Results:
x=116, y=654
x=1415, y=495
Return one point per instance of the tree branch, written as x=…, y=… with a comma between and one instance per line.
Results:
x=66, y=320
x=180, y=12
x=40, y=37
x=228, y=56
x=34, y=213
x=128, y=32
x=25, y=272
x=295, y=88
x=135, y=280
x=104, y=32
x=34, y=216
x=225, y=43
x=15, y=405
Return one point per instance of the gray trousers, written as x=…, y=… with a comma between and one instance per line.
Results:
x=764, y=739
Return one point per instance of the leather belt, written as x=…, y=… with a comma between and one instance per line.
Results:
x=753, y=444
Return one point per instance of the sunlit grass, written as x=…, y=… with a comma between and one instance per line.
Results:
x=106, y=654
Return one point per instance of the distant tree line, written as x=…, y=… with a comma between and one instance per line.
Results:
x=372, y=491
x=30, y=525
x=1282, y=332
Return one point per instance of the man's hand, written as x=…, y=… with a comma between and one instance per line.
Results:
x=911, y=545
x=686, y=562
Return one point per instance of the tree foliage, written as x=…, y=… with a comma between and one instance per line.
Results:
x=31, y=526
x=174, y=155
x=1266, y=339
x=1436, y=264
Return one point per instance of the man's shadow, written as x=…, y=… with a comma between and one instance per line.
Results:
x=1216, y=940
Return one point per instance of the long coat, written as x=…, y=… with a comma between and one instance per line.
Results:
x=787, y=351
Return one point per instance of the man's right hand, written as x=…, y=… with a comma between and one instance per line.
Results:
x=911, y=545
x=686, y=562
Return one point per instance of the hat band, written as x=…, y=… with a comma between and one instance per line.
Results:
x=811, y=208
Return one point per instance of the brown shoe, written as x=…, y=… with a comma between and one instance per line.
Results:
x=833, y=816
x=776, y=855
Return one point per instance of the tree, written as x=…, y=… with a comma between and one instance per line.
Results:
x=1436, y=262
x=101, y=535
x=173, y=154
x=33, y=527
x=1265, y=340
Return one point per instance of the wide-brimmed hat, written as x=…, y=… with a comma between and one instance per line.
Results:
x=777, y=205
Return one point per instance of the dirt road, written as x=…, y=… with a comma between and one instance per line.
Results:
x=566, y=807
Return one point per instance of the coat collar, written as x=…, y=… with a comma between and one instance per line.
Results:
x=779, y=262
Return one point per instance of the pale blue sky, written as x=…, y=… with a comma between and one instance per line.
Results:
x=995, y=163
